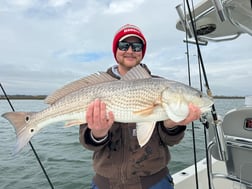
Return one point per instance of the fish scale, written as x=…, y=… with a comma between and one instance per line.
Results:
x=123, y=99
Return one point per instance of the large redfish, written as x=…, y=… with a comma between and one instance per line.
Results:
x=136, y=97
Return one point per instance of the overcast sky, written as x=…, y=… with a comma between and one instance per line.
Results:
x=46, y=44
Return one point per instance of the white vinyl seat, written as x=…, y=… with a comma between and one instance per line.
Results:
x=236, y=129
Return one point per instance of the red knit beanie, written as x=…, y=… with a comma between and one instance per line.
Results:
x=125, y=31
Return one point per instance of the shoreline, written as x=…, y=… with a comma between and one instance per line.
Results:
x=42, y=97
x=24, y=97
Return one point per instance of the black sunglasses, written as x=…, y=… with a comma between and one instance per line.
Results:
x=124, y=46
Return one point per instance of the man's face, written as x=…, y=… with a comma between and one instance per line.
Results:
x=129, y=58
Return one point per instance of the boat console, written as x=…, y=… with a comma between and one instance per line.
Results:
x=230, y=138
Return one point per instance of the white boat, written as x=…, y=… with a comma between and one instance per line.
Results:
x=229, y=161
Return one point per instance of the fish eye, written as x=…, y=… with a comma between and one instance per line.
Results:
x=32, y=130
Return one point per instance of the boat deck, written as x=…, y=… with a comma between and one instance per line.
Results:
x=186, y=177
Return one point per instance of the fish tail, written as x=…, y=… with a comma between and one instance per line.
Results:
x=20, y=120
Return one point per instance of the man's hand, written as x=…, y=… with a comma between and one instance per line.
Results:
x=98, y=120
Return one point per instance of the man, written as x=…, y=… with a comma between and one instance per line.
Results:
x=118, y=160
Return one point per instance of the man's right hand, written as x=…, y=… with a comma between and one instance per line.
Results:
x=98, y=120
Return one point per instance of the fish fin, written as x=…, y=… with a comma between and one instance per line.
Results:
x=144, y=132
x=73, y=123
x=101, y=77
x=137, y=72
x=144, y=112
x=23, y=133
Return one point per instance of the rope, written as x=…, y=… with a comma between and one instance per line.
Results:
x=33, y=149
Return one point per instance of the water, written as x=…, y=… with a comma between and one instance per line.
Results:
x=67, y=163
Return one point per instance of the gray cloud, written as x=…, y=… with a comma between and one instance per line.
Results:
x=46, y=44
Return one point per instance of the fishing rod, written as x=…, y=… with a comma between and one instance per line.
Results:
x=209, y=93
x=192, y=124
x=201, y=68
x=31, y=145
x=201, y=61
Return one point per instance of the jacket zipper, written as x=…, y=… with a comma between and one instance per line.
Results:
x=124, y=162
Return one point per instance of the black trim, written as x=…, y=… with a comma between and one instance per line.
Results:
x=177, y=129
x=89, y=140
